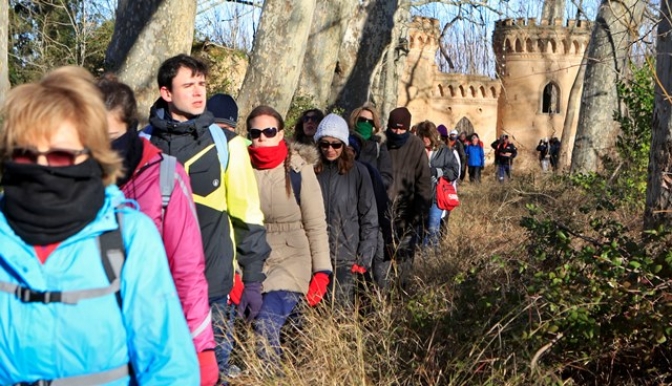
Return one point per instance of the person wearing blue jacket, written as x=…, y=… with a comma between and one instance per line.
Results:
x=85, y=291
x=475, y=158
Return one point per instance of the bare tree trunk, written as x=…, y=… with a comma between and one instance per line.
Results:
x=553, y=9
x=659, y=183
x=386, y=94
x=279, y=50
x=366, y=41
x=573, y=107
x=4, y=45
x=613, y=32
x=145, y=34
x=329, y=24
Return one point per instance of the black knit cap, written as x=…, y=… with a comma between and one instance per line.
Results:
x=224, y=108
x=400, y=118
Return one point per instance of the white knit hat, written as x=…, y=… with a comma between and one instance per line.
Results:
x=333, y=125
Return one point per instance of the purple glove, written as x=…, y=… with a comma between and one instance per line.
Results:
x=250, y=301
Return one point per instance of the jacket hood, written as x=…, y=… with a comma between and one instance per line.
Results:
x=308, y=153
x=160, y=119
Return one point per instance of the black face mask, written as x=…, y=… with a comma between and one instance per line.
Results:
x=397, y=140
x=129, y=147
x=46, y=205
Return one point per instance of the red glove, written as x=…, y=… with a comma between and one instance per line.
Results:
x=317, y=288
x=358, y=269
x=209, y=369
x=237, y=290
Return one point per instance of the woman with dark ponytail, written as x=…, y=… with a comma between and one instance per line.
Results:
x=296, y=227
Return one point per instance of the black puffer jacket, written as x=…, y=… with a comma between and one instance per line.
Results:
x=227, y=203
x=375, y=153
x=352, y=216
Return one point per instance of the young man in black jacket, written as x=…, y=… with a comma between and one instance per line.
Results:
x=227, y=201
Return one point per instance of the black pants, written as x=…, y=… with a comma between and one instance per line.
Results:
x=475, y=174
x=342, y=285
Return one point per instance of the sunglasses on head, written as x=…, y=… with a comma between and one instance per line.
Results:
x=364, y=120
x=55, y=157
x=324, y=145
x=268, y=132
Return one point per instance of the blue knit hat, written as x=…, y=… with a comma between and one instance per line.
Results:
x=224, y=108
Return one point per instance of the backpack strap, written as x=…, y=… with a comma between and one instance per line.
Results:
x=166, y=181
x=100, y=378
x=377, y=149
x=295, y=179
x=146, y=132
x=221, y=144
x=112, y=255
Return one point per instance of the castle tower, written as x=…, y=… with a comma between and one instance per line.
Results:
x=463, y=102
x=537, y=64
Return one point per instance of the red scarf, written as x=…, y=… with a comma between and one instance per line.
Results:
x=268, y=157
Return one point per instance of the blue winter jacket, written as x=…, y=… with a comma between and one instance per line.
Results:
x=475, y=155
x=57, y=340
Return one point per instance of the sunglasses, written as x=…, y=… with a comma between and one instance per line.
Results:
x=310, y=118
x=364, y=120
x=268, y=132
x=334, y=145
x=55, y=157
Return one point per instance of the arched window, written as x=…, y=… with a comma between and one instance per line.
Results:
x=440, y=90
x=519, y=46
x=493, y=91
x=529, y=45
x=465, y=125
x=507, y=46
x=550, y=103
x=482, y=89
x=462, y=93
x=472, y=91
x=451, y=90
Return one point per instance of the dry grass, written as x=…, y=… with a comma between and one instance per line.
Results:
x=440, y=332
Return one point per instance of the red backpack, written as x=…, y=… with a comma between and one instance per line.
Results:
x=446, y=195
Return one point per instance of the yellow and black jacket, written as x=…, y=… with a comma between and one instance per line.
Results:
x=227, y=202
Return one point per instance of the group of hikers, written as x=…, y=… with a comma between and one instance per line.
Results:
x=128, y=253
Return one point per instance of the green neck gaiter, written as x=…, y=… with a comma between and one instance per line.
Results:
x=365, y=129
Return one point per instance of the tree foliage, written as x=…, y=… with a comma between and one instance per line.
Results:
x=49, y=33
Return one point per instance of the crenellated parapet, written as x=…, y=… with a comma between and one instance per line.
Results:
x=527, y=37
x=467, y=87
x=424, y=32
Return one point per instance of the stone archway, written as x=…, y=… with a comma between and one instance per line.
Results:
x=465, y=125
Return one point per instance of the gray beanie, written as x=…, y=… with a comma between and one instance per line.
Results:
x=333, y=126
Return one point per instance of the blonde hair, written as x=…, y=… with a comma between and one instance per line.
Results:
x=33, y=110
x=367, y=107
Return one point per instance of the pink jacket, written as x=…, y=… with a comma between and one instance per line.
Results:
x=181, y=237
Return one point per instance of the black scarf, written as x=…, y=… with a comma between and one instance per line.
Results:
x=129, y=147
x=395, y=141
x=46, y=205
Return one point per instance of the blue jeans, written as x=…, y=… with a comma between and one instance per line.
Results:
x=433, y=226
x=503, y=171
x=275, y=310
x=223, y=316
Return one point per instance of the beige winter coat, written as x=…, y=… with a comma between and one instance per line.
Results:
x=297, y=235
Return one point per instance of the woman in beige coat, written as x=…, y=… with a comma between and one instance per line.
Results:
x=295, y=221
